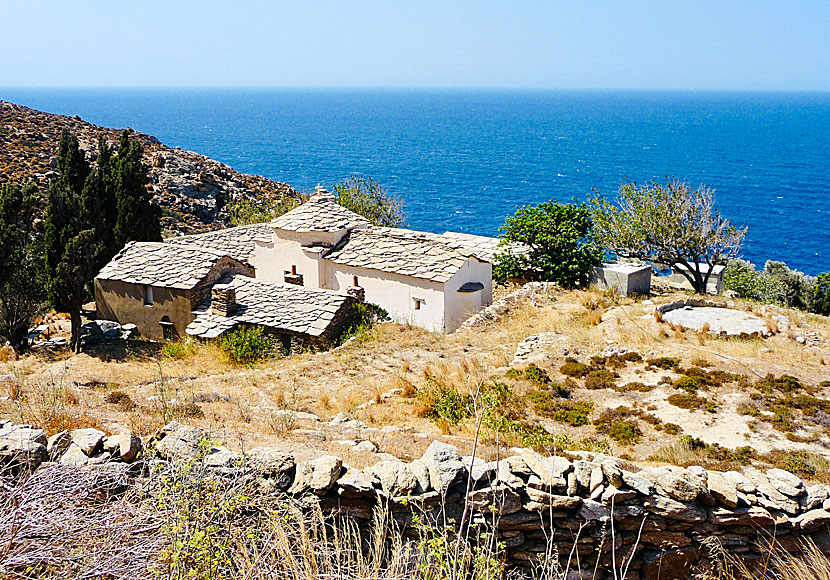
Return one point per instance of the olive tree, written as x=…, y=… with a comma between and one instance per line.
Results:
x=669, y=224
x=368, y=198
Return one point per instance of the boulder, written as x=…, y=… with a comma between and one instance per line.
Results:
x=593, y=511
x=497, y=499
x=444, y=466
x=612, y=473
x=57, y=444
x=179, y=441
x=676, y=482
x=597, y=479
x=22, y=446
x=74, y=456
x=317, y=476
x=125, y=446
x=221, y=458
x=582, y=471
x=396, y=477
x=812, y=520
x=785, y=482
x=816, y=496
x=637, y=482
x=674, y=510
x=273, y=464
x=366, y=446
x=547, y=500
x=551, y=470
x=89, y=440
x=421, y=473
x=356, y=483
x=723, y=489
x=482, y=472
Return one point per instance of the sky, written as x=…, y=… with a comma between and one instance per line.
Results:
x=568, y=44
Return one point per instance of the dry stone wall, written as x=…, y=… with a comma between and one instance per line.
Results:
x=664, y=522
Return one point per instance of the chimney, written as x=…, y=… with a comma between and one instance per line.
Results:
x=222, y=300
x=292, y=277
x=356, y=291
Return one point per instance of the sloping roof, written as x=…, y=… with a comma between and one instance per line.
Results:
x=319, y=214
x=484, y=248
x=160, y=264
x=400, y=251
x=272, y=304
x=238, y=242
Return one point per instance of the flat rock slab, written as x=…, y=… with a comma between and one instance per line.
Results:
x=719, y=321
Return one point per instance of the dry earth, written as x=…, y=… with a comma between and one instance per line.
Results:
x=376, y=388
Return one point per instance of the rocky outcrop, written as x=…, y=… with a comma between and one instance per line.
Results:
x=662, y=522
x=193, y=190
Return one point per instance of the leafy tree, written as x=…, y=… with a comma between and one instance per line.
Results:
x=670, y=224
x=797, y=288
x=557, y=237
x=368, y=198
x=138, y=218
x=820, y=300
x=745, y=281
x=22, y=283
x=244, y=211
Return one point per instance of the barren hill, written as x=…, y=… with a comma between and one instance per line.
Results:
x=193, y=190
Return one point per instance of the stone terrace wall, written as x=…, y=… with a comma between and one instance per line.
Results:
x=667, y=521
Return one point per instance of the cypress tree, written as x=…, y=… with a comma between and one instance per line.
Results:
x=138, y=218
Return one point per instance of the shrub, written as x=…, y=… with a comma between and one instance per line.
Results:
x=444, y=402
x=625, y=432
x=688, y=384
x=178, y=349
x=687, y=401
x=798, y=463
x=743, y=279
x=663, y=362
x=820, y=297
x=784, y=383
x=600, y=379
x=514, y=374
x=574, y=413
x=536, y=375
x=631, y=356
x=248, y=345
x=572, y=368
x=635, y=386
x=360, y=321
x=672, y=428
x=796, y=287
x=120, y=398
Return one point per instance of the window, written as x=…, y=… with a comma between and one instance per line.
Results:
x=418, y=303
x=148, y=296
x=167, y=328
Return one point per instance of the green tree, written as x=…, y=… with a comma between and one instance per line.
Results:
x=100, y=202
x=557, y=238
x=670, y=224
x=745, y=281
x=368, y=198
x=244, y=211
x=138, y=218
x=22, y=283
x=820, y=299
x=797, y=287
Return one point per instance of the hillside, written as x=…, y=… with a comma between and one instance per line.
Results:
x=193, y=190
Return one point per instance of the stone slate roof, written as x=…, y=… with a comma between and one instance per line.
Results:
x=161, y=264
x=483, y=247
x=400, y=251
x=320, y=214
x=238, y=242
x=280, y=306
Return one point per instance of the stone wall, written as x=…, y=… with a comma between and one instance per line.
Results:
x=664, y=522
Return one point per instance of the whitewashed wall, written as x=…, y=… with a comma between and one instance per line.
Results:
x=459, y=306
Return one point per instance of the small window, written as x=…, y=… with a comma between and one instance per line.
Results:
x=148, y=296
x=167, y=328
x=418, y=303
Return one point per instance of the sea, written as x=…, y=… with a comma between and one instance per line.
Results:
x=463, y=160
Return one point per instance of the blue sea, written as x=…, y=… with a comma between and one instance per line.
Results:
x=463, y=160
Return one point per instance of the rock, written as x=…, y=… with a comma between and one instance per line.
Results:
x=674, y=510
x=22, y=446
x=273, y=464
x=593, y=511
x=179, y=442
x=219, y=457
x=125, y=446
x=498, y=499
x=742, y=483
x=670, y=564
x=597, y=478
x=518, y=466
x=637, y=482
x=444, y=466
x=89, y=440
x=317, y=475
x=723, y=489
x=596, y=495
x=356, y=483
x=612, y=493
x=768, y=494
x=816, y=496
x=482, y=472
x=548, y=500
x=74, y=456
x=582, y=470
x=676, y=482
x=572, y=484
x=698, y=471
x=421, y=473
x=612, y=473
x=551, y=470
x=366, y=446
x=785, y=482
x=396, y=477
x=507, y=476
x=752, y=515
x=812, y=520
x=57, y=444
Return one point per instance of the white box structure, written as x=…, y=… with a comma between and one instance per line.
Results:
x=624, y=279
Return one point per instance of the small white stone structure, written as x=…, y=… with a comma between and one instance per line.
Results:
x=715, y=284
x=623, y=278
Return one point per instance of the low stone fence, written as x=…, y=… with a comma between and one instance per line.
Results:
x=594, y=509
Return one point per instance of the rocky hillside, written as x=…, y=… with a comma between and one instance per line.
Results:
x=193, y=191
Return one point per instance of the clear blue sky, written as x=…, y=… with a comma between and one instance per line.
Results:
x=626, y=44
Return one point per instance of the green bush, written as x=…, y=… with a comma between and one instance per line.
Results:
x=178, y=349
x=688, y=384
x=557, y=238
x=600, y=379
x=687, y=401
x=574, y=413
x=672, y=428
x=799, y=464
x=784, y=383
x=743, y=279
x=572, y=368
x=514, y=374
x=820, y=297
x=248, y=345
x=536, y=375
x=663, y=362
x=796, y=287
x=443, y=402
x=635, y=386
x=625, y=432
